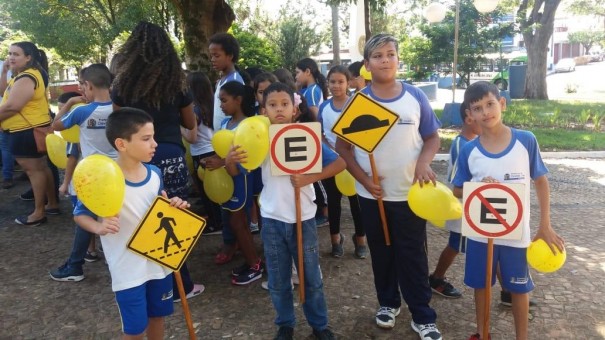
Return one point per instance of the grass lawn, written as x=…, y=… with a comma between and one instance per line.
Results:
x=558, y=125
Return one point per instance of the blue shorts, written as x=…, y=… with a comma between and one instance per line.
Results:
x=151, y=299
x=457, y=242
x=243, y=187
x=512, y=262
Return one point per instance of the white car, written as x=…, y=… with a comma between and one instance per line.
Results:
x=565, y=65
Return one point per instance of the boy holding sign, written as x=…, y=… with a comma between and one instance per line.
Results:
x=502, y=155
x=143, y=288
x=403, y=157
x=279, y=236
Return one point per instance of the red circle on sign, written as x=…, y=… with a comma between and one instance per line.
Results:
x=477, y=193
x=276, y=139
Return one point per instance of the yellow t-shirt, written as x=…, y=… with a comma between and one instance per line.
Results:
x=36, y=110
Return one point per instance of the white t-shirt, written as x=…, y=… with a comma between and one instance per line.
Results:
x=328, y=115
x=518, y=163
x=396, y=155
x=203, y=144
x=277, y=197
x=219, y=115
x=127, y=268
x=92, y=119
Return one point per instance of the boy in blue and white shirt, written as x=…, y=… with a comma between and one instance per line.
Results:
x=143, y=288
x=503, y=155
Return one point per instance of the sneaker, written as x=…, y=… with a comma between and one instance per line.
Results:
x=237, y=271
x=476, y=336
x=325, y=334
x=337, y=249
x=427, y=331
x=66, y=274
x=7, y=184
x=91, y=256
x=249, y=275
x=443, y=287
x=284, y=333
x=295, y=279
x=198, y=289
x=254, y=229
x=265, y=285
x=507, y=300
x=361, y=251
x=321, y=220
x=385, y=317
x=212, y=229
x=27, y=196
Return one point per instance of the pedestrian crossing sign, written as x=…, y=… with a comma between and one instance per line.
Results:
x=364, y=122
x=167, y=234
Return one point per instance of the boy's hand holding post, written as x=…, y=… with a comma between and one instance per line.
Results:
x=176, y=202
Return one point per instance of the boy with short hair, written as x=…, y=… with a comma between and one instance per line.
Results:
x=503, y=155
x=91, y=118
x=358, y=81
x=279, y=236
x=457, y=242
x=402, y=158
x=143, y=288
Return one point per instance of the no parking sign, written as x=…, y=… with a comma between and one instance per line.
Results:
x=295, y=148
x=493, y=210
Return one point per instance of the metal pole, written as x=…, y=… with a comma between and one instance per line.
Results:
x=454, y=70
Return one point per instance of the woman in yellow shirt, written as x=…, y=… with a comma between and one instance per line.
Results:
x=23, y=107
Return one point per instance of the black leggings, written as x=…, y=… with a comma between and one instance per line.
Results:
x=334, y=209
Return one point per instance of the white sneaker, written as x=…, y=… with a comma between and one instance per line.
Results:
x=385, y=317
x=265, y=285
x=198, y=289
x=427, y=331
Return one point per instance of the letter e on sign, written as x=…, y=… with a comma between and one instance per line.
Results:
x=295, y=148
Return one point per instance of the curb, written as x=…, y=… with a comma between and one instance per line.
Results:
x=551, y=155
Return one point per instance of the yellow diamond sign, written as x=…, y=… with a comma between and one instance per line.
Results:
x=167, y=234
x=364, y=122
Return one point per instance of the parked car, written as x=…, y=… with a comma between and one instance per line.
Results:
x=565, y=65
x=596, y=56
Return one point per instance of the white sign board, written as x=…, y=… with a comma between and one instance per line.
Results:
x=295, y=148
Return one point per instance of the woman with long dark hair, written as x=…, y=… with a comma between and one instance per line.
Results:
x=24, y=108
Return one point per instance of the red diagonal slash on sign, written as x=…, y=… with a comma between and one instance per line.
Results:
x=508, y=228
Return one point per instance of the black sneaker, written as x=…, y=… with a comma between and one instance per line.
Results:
x=91, y=256
x=27, y=196
x=212, y=230
x=284, y=333
x=443, y=288
x=507, y=300
x=337, y=249
x=249, y=275
x=237, y=271
x=325, y=334
x=66, y=274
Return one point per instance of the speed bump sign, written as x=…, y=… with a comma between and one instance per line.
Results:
x=167, y=234
x=364, y=122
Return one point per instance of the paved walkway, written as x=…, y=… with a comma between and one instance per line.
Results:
x=570, y=301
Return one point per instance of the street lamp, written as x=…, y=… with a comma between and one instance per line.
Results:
x=434, y=12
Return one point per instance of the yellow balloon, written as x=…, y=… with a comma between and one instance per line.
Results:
x=222, y=141
x=188, y=158
x=201, y=172
x=100, y=185
x=263, y=119
x=541, y=258
x=365, y=73
x=434, y=202
x=72, y=134
x=345, y=182
x=218, y=185
x=56, y=147
x=253, y=137
x=437, y=223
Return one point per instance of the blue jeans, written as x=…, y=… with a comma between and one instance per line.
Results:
x=80, y=245
x=8, y=161
x=279, y=242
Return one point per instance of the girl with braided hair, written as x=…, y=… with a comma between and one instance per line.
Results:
x=24, y=107
x=149, y=77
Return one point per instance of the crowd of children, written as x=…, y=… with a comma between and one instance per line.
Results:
x=142, y=127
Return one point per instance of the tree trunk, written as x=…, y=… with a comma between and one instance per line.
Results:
x=537, y=28
x=367, y=16
x=335, y=36
x=200, y=20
